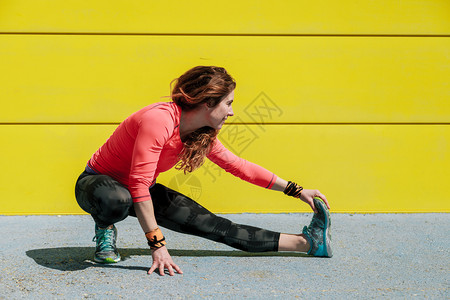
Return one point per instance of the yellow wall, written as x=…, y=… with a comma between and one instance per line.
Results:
x=351, y=97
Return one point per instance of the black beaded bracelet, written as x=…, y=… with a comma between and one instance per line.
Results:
x=293, y=189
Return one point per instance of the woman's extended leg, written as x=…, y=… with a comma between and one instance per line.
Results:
x=293, y=242
x=177, y=212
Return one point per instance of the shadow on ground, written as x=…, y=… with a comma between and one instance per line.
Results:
x=80, y=258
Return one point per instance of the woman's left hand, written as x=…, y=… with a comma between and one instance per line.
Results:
x=307, y=196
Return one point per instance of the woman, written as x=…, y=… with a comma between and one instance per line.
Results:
x=119, y=179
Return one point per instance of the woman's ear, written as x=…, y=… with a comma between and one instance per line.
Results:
x=206, y=105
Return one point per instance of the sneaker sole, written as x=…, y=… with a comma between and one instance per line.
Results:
x=324, y=249
x=107, y=260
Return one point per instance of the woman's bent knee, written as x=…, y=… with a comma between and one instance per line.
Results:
x=103, y=197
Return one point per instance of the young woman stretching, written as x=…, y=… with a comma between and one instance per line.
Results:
x=120, y=178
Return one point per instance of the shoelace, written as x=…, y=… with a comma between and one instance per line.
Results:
x=104, y=239
x=317, y=221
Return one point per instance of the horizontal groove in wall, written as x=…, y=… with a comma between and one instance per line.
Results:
x=259, y=124
x=57, y=123
x=343, y=123
x=350, y=212
x=228, y=34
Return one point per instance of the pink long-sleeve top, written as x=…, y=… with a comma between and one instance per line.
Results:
x=148, y=143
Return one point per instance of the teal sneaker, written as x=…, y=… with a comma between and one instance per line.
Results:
x=105, y=250
x=318, y=232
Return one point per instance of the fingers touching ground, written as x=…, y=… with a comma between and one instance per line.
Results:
x=161, y=261
x=161, y=269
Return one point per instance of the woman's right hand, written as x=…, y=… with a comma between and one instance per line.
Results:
x=307, y=196
x=162, y=260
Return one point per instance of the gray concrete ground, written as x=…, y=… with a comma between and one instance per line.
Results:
x=388, y=256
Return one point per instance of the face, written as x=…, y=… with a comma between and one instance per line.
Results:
x=217, y=115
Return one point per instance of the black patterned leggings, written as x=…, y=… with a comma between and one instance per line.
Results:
x=109, y=202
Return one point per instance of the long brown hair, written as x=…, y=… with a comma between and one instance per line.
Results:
x=201, y=84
